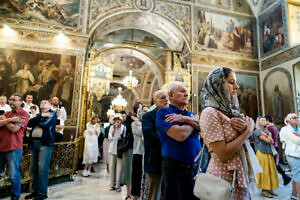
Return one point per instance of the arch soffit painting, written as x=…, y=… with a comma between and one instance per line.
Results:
x=146, y=58
x=289, y=78
x=162, y=28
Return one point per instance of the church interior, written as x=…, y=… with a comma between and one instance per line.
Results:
x=96, y=51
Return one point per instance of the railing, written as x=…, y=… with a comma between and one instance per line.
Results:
x=63, y=162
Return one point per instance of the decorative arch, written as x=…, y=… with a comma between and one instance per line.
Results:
x=145, y=57
x=163, y=28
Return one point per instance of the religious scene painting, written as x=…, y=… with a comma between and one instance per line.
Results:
x=218, y=3
x=43, y=75
x=223, y=32
x=247, y=93
x=273, y=32
x=278, y=95
x=62, y=12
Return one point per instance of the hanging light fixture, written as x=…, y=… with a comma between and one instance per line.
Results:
x=110, y=112
x=130, y=81
x=100, y=74
x=119, y=103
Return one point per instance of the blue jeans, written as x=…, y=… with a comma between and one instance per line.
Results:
x=40, y=161
x=13, y=159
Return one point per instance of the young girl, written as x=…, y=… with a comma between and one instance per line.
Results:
x=268, y=179
x=91, y=152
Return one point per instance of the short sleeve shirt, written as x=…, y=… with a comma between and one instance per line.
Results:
x=215, y=126
x=8, y=140
x=260, y=145
x=185, y=151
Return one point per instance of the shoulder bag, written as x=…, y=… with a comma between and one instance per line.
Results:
x=210, y=187
x=122, y=144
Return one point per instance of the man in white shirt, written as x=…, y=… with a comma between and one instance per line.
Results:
x=3, y=105
x=28, y=103
x=61, y=118
x=56, y=106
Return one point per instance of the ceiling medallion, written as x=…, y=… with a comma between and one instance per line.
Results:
x=144, y=5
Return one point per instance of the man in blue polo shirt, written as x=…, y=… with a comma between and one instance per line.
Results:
x=178, y=131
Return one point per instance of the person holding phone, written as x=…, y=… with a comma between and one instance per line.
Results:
x=42, y=137
x=116, y=131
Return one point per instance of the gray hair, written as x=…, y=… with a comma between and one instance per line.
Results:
x=155, y=95
x=174, y=85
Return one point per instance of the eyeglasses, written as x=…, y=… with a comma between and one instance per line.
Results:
x=295, y=118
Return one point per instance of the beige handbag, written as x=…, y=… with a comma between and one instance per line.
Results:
x=210, y=187
x=37, y=132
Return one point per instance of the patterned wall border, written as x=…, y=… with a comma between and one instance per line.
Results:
x=289, y=54
x=243, y=64
x=21, y=45
x=289, y=77
x=285, y=27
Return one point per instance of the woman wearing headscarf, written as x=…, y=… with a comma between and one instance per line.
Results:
x=91, y=152
x=225, y=133
x=263, y=142
x=290, y=137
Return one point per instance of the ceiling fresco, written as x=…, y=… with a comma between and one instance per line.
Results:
x=150, y=42
x=60, y=12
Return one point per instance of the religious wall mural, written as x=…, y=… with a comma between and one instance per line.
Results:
x=241, y=6
x=62, y=12
x=247, y=94
x=101, y=8
x=219, y=3
x=42, y=75
x=273, y=30
x=294, y=23
x=224, y=32
x=278, y=95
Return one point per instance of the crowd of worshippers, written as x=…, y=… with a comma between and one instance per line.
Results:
x=155, y=152
x=39, y=126
x=163, y=144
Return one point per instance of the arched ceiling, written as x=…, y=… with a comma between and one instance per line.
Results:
x=162, y=28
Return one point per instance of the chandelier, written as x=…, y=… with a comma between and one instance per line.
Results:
x=178, y=73
x=119, y=103
x=110, y=112
x=100, y=74
x=130, y=81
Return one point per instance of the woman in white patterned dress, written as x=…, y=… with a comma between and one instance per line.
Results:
x=91, y=152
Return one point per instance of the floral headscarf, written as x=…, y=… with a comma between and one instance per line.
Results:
x=288, y=118
x=216, y=94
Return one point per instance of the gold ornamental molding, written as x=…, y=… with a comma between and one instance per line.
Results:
x=283, y=57
x=222, y=61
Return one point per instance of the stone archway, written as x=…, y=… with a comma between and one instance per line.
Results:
x=163, y=28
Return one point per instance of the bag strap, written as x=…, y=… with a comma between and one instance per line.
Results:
x=199, y=169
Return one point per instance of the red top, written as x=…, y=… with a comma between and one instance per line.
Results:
x=8, y=140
